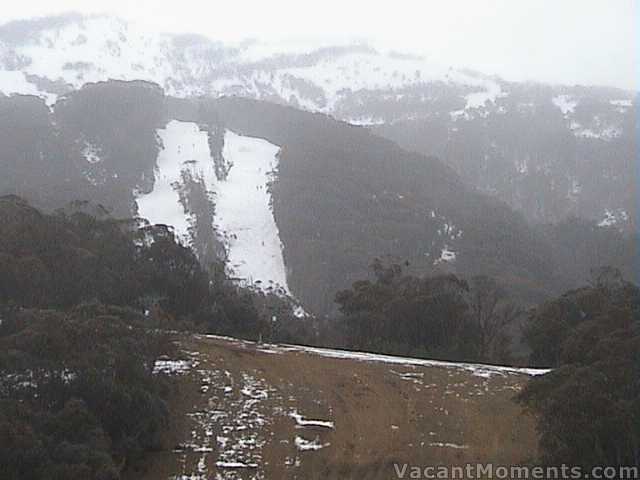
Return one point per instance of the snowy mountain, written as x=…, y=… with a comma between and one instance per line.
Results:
x=550, y=152
x=54, y=55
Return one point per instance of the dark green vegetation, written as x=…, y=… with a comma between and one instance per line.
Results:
x=433, y=317
x=589, y=406
x=82, y=304
x=43, y=151
x=77, y=395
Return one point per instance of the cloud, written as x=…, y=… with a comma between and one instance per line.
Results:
x=568, y=41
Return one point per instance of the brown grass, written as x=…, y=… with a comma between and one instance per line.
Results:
x=380, y=416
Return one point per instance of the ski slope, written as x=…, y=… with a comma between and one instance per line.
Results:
x=241, y=202
x=244, y=213
x=182, y=142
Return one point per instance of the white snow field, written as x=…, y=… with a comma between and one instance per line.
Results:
x=243, y=213
x=95, y=48
x=16, y=83
x=182, y=142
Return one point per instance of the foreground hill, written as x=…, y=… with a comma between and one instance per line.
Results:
x=245, y=410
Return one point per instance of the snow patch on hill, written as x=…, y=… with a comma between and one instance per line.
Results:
x=565, y=103
x=599, y=131
x=181, y=143
x=613, y=218
x=97, y=48
x=243, y=216
x=489, y=92
x=16, y=83
x=244, y=212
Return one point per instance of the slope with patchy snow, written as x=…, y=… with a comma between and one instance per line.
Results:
x=250, y=411
x=240, y=200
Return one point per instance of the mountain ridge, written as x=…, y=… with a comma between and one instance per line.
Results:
x=549, y=151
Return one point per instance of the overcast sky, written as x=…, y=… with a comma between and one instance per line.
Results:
x=560, y=41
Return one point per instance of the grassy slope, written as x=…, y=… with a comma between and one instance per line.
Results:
x=235, y=405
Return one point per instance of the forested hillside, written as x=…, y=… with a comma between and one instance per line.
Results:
x=345, y=196
x=549, y=152
x=340, y=197
x=79, y=300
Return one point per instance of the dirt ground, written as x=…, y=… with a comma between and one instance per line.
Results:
x=247, y=411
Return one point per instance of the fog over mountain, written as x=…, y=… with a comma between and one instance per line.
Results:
x=320, y=241
x=588, y=42
x=549, y=151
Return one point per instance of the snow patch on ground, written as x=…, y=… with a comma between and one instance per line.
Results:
x=479, y=99
x=234, y=421
x=91, y=153
x=368, y=121
x=448, y=445
x=600, y=132
x=172, y=367
x=612, y=218
x=305, y=445
x=236, y=433
x=302, y=422
x=234, y=465
x=622, y=105
x=446, y=256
